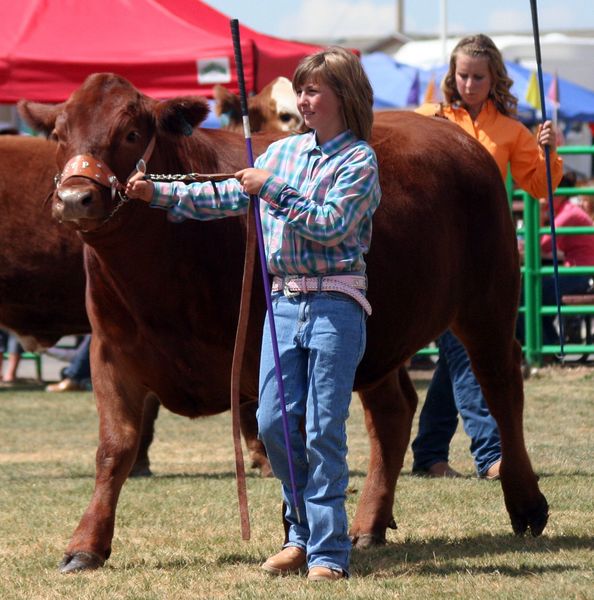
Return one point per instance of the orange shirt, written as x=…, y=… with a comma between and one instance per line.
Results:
x=508, y=141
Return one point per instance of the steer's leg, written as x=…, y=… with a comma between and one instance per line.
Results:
x=488, y=334
x=249, y=430
x=389, y=409
x=120, y=407
x=142, y=465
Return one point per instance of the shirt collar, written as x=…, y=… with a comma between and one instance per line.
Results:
x=488, y=109
x=333, y=146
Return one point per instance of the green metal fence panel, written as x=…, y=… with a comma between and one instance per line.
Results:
x=533, y=271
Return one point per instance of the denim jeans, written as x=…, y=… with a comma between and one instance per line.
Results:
x=321, y=339
x=454, y=389
x=80, y=367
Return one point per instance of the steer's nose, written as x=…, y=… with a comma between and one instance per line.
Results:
x=75, y=196
x=76, y=202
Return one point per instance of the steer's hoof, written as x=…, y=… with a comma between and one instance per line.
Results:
x=141, y=470
x=262, y=464
x=81, y=561
x=365, y=541
x=368, y=540
x=535, y=520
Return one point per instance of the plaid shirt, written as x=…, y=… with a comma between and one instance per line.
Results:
x=316, y=207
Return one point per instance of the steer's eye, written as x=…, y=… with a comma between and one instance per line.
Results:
x=133, y=136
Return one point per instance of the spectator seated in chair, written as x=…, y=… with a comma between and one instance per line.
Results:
x=573, y=251
x=76, y=377
x=10, y=344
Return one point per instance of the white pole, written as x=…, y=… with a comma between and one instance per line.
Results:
x=444, y=30
x=399, y=16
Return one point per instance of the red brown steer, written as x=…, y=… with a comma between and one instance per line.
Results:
x=42, y=276
x=42, y=279
x=163, y=298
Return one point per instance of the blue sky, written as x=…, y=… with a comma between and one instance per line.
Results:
x=303, y=19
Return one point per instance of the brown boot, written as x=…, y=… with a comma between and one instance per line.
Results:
x=289, y=560
x=66, y=385
x=324, y=574
x=442, y=469
x=492, y=473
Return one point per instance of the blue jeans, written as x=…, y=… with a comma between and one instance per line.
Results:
x=321, y=339
x=80, y=367
x=454, y=389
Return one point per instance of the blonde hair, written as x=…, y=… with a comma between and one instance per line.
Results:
x=482, y=46
x=342, y=71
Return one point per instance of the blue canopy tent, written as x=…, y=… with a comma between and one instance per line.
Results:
x=576, y=103
x=391, y=81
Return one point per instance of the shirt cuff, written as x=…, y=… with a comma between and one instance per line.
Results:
x=163, y=195
x=271, y=191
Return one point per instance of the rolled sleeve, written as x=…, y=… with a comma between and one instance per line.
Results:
x=163, y=195
x=272, y=189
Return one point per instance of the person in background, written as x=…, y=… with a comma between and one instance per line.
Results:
x=318, y=192
x=76, y=377
x=9, y=344
x=573, y=251
x=477, y=96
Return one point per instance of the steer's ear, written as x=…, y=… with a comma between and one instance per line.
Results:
x=41, y=117
x=227, y=103
x=180, y=115
x=228, y=107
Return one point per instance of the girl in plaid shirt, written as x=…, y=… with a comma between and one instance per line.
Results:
x=318, y=192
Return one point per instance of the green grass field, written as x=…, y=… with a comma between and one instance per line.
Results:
x=177, y=534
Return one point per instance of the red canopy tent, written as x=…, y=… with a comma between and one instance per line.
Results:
x=273, y=56
x=164, y=47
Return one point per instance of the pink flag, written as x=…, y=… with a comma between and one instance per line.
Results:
x=553, y=92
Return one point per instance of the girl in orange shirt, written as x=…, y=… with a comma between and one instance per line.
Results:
x=477, y=96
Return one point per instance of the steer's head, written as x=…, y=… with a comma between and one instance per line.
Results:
x=102, y=131
x=273, y=109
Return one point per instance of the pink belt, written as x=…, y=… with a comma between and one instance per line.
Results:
x=346, y=284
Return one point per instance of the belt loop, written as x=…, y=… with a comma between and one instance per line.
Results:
x=304, y=284
x=320, y=280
